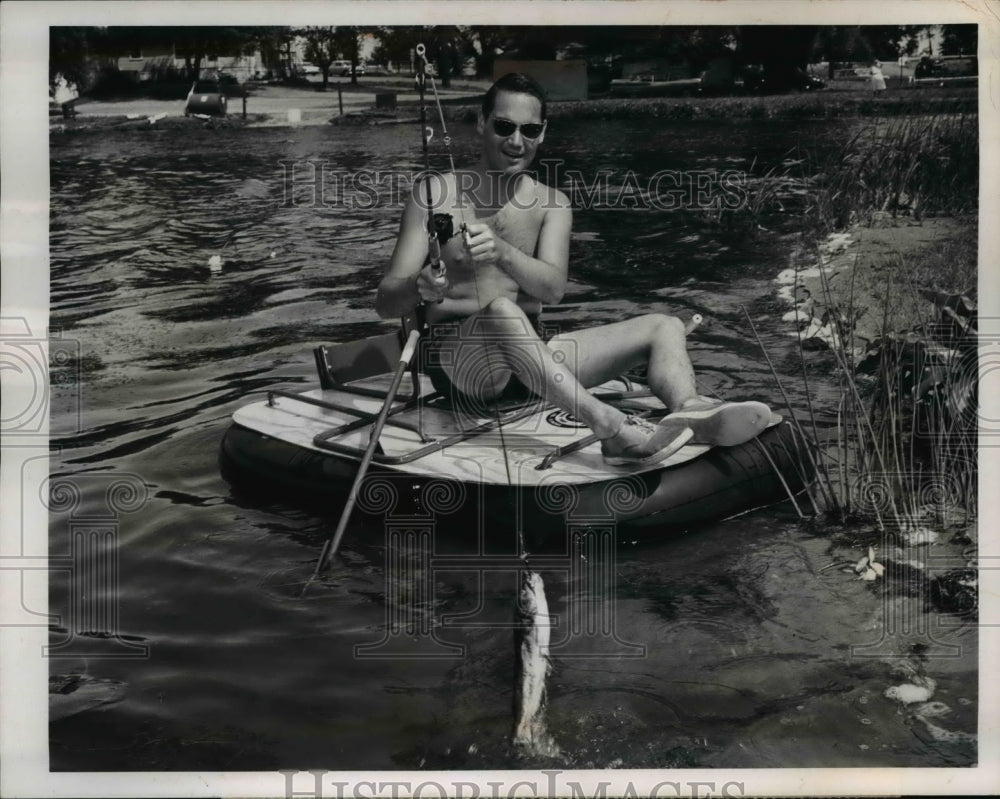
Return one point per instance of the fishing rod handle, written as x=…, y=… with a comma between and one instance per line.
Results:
x=436, y=264
x=409, y=348
x=693, y=322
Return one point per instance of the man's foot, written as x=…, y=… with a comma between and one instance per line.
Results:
x=639, y=442
x=723, y=424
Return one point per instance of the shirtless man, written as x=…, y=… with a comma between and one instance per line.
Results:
x=509, y=255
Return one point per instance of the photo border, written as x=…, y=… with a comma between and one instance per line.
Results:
x=24, y=735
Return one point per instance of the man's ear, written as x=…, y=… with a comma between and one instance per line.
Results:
x=480, y=122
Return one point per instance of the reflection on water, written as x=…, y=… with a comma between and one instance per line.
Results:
x=745, y=641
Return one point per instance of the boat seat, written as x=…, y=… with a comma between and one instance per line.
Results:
x=356, y=360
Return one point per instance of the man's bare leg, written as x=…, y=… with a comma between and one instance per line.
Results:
x=499, y=341
x=659, y=342
x=656, y=341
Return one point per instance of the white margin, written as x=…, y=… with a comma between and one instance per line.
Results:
x=24, y=263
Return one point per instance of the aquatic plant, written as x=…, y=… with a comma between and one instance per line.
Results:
x=902, y=450
x=903, y=447
x=917, y=165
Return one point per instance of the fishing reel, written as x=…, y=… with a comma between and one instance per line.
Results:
x=443, y=231
x=444, y=227
x=440, y=230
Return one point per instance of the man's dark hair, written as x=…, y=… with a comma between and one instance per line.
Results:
x=516, y=82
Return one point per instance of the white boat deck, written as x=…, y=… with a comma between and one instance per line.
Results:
x=510, y=454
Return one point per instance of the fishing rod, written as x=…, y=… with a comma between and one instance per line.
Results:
x=439, y=227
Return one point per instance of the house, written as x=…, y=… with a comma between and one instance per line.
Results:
x=152, y=61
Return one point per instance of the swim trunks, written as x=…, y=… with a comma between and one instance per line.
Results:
x=433, y=337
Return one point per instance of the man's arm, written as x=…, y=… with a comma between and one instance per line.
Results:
x=543, y=275
x=408, y=280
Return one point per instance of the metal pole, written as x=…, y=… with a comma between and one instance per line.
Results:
x=340, y=99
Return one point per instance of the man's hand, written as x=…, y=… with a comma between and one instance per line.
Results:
x=432, y=285
x=480, y=242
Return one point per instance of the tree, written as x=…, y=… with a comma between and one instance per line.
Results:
x=485, y=42
x=322, y=48
x=959, y=39
x=445, y=45
x=73, y=51
x=395, y=44
x=324, y=45
x=911, y=38
x=276, y=49
x=778, y=48
x=193, y=43
x=348, y=43
x=884, y=40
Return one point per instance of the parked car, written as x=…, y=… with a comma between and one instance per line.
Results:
x=206, y=97
x=309, y=69
x=927, y=68
x=947, y=67
x=343, y=68
x=757, y=79
x=803, y=81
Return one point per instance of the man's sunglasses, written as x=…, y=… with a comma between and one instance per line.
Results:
x=505, y=128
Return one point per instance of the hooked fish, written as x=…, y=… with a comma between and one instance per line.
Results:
x=533, y=632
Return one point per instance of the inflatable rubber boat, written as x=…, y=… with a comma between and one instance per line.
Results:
x=525, y=462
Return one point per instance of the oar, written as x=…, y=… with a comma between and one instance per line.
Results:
x=330, y=548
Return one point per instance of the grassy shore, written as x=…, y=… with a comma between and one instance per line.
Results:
x=796, y=105
x=82, y=122
x=886, y=311
x=825, y=104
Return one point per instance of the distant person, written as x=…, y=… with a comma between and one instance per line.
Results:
x=877, y=78
x=65, y=95
x=506, y=255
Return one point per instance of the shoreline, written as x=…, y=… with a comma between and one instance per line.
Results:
x=272, y=108
x=869, y=274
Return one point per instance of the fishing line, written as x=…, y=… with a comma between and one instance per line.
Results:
x=421, y=53
x=530, y=581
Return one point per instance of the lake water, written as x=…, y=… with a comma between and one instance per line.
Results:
x=734, y=646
